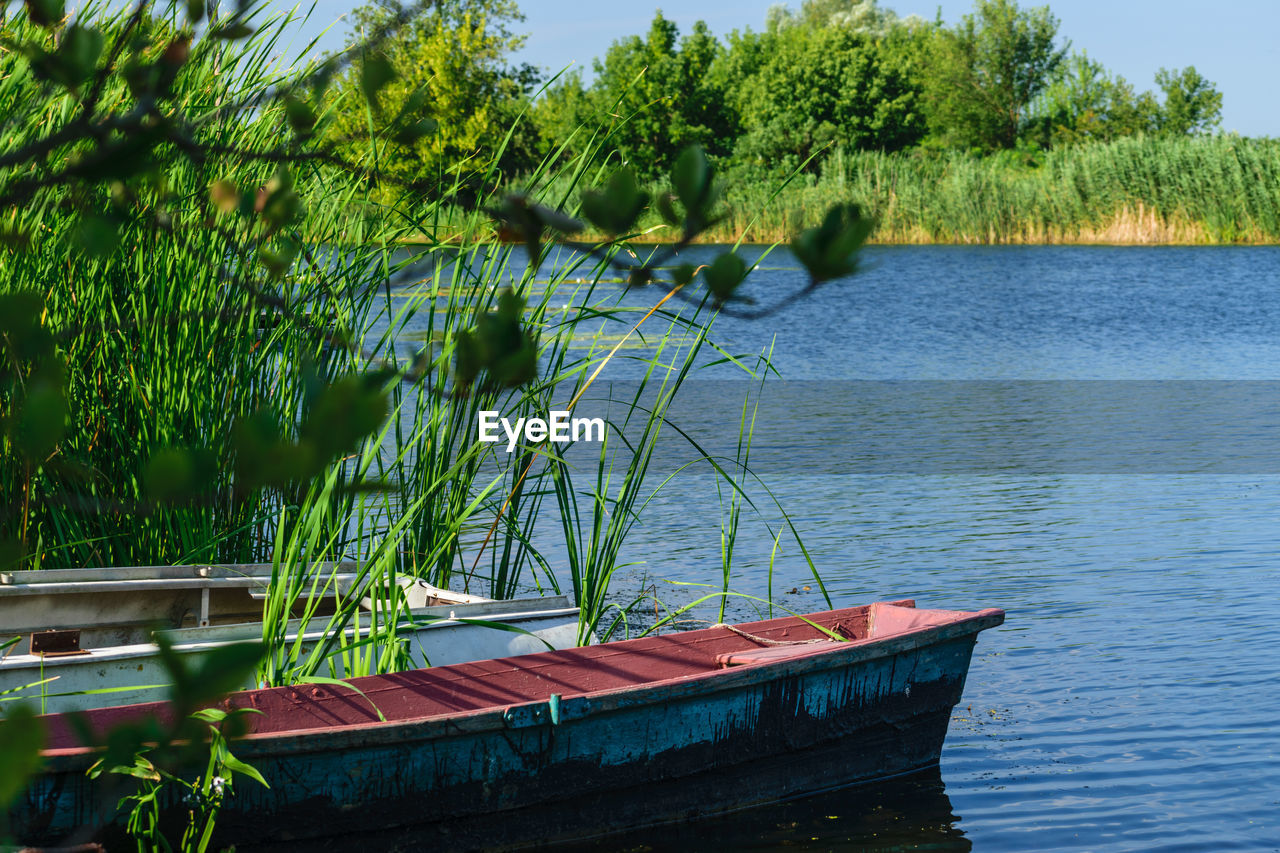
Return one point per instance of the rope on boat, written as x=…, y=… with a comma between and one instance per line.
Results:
x=765, y=640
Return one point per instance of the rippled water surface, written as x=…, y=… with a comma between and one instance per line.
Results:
x=1132, y=699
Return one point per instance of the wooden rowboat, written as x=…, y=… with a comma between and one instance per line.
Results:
x=109, y=616
x=572, y=744
x=122, y=605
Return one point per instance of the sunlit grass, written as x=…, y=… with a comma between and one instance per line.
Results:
x=1191, y=190
x=165, y=350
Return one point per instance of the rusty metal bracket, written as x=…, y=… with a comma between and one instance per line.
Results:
x=57, y=643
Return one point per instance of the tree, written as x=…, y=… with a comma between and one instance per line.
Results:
x=817, y=86
x=660, y=92
x=1085, y=103
x=560, y=113
x=987, y=71
x=861, y=16
x=1192, y=104
x=450, y=69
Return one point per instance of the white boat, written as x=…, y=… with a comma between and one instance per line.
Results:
x=83, y=638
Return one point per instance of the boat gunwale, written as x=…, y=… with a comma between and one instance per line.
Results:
x=26, y=582
x=577, y=706
x=188, y=640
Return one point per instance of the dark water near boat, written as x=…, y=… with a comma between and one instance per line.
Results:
x=1132, y=699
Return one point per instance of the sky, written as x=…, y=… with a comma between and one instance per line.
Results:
x=1234, y=43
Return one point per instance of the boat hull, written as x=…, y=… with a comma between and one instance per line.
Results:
x=590, y=779
x=597, y=763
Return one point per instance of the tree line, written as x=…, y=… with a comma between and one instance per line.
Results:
x=834, y=73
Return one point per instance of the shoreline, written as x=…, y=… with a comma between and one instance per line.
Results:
x=1015, y=241
x=1129, y=225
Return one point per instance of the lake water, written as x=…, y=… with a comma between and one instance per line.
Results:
x=1132, y=699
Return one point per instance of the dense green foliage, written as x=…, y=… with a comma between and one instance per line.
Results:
x=1085, y=103
x=846, y=74
x=801, y=89
x=659, y=85
x=984, y=75
x=124, y=268
x=814, y=90
x=449, y=78
x=854, y=75
x=205, y=316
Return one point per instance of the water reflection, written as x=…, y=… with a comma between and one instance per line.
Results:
x=908, y=813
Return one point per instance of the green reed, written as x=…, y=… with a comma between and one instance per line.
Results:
x=161, y=351
x=165, y=350
x=1193, y=190
x=1185, y=190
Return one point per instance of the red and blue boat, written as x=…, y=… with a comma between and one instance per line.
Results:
x=572, y=744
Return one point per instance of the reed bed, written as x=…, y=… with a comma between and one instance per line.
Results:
x=1160, y=190
x=164, y=351
x=1191, y=190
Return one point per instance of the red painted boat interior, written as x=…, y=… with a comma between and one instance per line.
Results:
x=775, y=654
x=483, y=686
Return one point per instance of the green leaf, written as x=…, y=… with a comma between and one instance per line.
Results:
x=500, y=345
x=281, y=204
x=140, y=769
x=375, y=73
x=411, y=123
x=41, y=420
x=81, y=47
x=125, y=745
x=518, y=221
x=616, y=209
x=338, y=682
x=524, y=220
x=176, y=474
x=45, y=13
x=416, y=103
x=410, y=133
x=169, y=474
x=666, y=208
x=831, y=250
x=235, y=765
x=300, y=116
x=553, y=218
x=220, y=671
x=683, y=274
x=12, y=553
x=118, y=160
x=23, y=336
x=224, y=195
x=72, y=62
x=233, y=30
x=279, y=258
x=723, y=276
x=210, y=715
x=195, y=11
x=22, y=736
x=343, y=414
x=692, y=176
x=97, y=235
x=262, y=457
